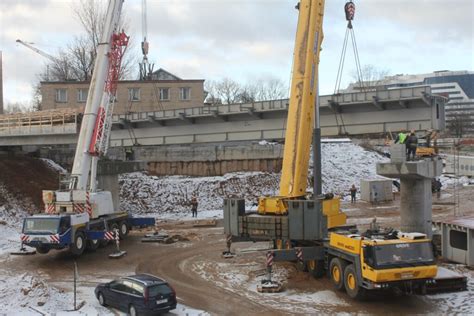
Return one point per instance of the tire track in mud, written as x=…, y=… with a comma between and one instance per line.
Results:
x=175, y=267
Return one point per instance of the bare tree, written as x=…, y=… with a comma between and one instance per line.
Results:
x=82, y=56
x=228, y=91
x=271, y=89
x=76, y=62
x=459, y=124
x=61, y=69
x=371, y=77
x=91, y=14
x=16, y=107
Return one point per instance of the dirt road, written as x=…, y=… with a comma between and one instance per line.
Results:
x=205, y=281
x=216, y=292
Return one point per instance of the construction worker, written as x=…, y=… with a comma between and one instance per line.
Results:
x=401, y=137
x=412, y=143
x=353, y=193
x=430, y=136
x=194, y=206
x=129, y=154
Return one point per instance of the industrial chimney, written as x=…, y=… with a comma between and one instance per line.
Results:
x=1, y=84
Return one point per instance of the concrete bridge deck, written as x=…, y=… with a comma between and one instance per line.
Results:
x=351, y=114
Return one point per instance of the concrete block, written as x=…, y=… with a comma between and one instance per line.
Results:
x=398, y=153
x=376, y=190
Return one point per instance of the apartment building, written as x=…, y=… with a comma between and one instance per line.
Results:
x=165, y=91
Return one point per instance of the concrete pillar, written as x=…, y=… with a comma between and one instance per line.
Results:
x=107, y=176
x=109, y=182
x=415, y=191
x=415, y=205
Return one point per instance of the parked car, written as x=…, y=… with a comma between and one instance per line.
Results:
x=141, y=294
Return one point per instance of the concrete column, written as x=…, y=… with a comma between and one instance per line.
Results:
x=109, y=182
x=415, y=191
x=415, y=205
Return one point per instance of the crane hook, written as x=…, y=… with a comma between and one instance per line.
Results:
x=349, y=9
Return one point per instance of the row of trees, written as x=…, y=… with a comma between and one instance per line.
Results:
x=228, y=91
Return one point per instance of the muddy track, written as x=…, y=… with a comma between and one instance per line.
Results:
x=196, y=292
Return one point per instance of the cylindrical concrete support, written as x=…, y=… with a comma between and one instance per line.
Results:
x=415, y=205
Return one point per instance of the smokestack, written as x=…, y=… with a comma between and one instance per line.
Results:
x=1, y=84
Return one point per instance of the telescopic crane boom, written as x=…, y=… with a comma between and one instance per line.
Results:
x=95, y=127
x=303, y=96
x=39, y=51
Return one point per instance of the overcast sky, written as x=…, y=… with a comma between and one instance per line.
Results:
x=249, y=39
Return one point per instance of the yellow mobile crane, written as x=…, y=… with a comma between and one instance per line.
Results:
x=302, y=118
x=314, y=232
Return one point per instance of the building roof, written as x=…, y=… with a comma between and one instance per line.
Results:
x=162, y=74
x=123, y=81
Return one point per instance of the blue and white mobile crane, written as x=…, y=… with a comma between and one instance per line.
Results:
x=81, y=215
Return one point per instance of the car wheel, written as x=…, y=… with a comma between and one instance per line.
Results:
x=132, y=311
x=101, y=299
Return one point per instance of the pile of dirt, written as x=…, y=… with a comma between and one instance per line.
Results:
x=24, y=178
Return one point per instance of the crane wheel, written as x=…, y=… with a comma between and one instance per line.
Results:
x=42, y=250
x=301, y=266
x=93, y=244
x=353, y=288
x=336, y=272
x=123, y=229
x=316, y=268
x=79, y=244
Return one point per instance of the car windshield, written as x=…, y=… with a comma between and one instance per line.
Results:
x=403, y=254
x=161, y=289
x=41, y=225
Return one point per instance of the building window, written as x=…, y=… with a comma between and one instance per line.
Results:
x=61, y=95
x=185, y=93
x=82, y=95
x=134, y=94
x=164, y=94
x=458, y=239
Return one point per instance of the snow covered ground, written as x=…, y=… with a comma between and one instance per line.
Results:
x=343, y=164
x=12, y=212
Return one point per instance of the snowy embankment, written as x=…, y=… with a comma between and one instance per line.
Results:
x=343, y=164
x=12, y=212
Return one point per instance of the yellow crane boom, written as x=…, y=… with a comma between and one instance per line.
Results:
x=303, y=95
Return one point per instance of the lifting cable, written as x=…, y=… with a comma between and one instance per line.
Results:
x=349, y=10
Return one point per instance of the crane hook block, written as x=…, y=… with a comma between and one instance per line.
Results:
x=349, y=8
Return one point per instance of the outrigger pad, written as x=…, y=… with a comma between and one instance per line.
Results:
x=228, y=254
x=269, y=287
x=117, y=255
x=23, y=252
